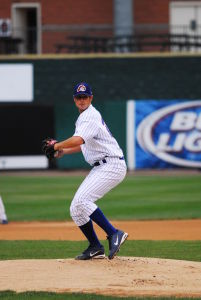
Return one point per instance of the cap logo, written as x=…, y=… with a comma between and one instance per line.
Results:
x=81, y=88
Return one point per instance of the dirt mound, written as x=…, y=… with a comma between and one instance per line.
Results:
x=122, y=276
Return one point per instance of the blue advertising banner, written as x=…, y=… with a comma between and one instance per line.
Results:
x=167, y=134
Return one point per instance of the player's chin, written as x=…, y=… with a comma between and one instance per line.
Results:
x=83, y=107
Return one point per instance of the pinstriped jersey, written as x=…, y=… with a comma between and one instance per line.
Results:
x=99, y=141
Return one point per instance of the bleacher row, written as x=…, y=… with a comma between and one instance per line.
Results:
x=134, y=43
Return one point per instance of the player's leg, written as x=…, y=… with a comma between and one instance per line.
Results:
x=3, y=216
x=80, y=211
x=115, y=236
x=95, y=249
x=95, y=186
x=83, y=207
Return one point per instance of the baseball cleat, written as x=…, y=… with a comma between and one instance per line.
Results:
x=3, y=222
x=92, y=252
x=115, y=241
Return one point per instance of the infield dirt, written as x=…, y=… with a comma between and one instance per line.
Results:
x=122, y=276
x=137, y=230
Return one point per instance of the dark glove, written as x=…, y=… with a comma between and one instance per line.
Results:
x=48, y=147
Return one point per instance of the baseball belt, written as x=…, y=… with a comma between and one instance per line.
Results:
x=98, y=163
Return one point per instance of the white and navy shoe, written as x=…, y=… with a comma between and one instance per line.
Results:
x=115, y=241
x=4, y=221
x=92, y=252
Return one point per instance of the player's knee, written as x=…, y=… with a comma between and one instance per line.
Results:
x=76, y=208
x=72, y=208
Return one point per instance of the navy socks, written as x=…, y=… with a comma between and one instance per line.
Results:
x=98, y=217
x=90, y=234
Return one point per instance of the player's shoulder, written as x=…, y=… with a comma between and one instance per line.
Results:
x=93, y=111
x=90, y=114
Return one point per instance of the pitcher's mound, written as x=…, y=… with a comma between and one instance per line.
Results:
x=123, y=276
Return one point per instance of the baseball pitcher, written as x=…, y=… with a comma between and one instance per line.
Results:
x=101, y=150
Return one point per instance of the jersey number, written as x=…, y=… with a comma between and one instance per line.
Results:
x=103, y=122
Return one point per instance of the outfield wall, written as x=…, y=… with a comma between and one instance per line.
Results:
x=46, y=105
x=114, y=77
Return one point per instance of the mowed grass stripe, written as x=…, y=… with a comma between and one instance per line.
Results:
x=48, y=295
x=137, y=197
x=9, y=295
x=182, y=250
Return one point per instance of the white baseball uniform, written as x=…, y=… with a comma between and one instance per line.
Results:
x=100, y=146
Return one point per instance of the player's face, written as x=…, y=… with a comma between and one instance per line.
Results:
x=82, y=102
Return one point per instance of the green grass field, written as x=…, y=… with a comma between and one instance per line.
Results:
x=52, y=296
x=187, y=250
x=138, y=197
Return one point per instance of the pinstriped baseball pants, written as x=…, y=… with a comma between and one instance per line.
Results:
x=98, y=182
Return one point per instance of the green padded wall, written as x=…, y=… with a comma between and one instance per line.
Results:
x=120, y=78
x=116, y=78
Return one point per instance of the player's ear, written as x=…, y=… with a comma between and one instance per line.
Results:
x=91, y=97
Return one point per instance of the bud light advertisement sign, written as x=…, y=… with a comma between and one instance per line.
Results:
x=168, y=134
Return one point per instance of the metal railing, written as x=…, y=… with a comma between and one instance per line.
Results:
x=100, y=39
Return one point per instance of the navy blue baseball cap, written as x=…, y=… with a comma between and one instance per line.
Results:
x=82, y=88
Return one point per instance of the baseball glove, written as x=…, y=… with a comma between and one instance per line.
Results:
x=48, y=147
